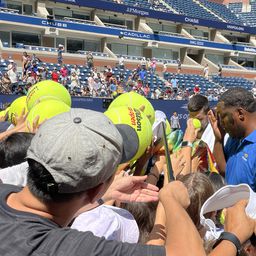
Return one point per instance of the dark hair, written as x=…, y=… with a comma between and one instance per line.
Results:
x=217, y=181
x=42, y=185
x=197, y=103
x=13, y=149
x=144, y=214
x=199, y=189
x=239, y=97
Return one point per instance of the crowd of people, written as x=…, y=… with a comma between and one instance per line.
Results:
x=69, y=187
x=107, y=81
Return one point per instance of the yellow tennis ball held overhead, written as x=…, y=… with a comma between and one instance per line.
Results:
x=196, y=123
x=135, y=100
x=45, y=90
x=138, y=121
x=46, y=110
x=16, y=109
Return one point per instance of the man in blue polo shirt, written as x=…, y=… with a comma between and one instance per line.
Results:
x=236, y=111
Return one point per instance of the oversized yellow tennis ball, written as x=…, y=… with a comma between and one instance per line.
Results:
x=138, y=121
x=3, y=113
x=45, y=90
x=196, y=123
x=167, y=128
x=16, y=109
x=46, y=110
x=135, y=100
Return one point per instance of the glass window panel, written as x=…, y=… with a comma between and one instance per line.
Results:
x=26, y=39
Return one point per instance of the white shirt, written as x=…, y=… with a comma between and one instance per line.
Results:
x=15, y=175
x=13, y=76
x=111, y=222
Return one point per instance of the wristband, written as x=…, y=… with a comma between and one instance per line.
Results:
x=186, y=144
x=231, y=238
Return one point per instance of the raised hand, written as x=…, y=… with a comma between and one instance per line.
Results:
x=190, y=133
x=218, y=131
x=132, y=189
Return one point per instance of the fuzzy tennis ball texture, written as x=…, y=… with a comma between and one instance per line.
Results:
x=46, y=110
x=196, y=123
x=45, y=90
x=4, y=112
x=138, y=121
x=135, y=100
x=16, y=109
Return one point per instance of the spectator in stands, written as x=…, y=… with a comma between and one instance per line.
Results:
x=179, y=66
x=236, y=115
x=165, y=75
x=91, y=82
x=143, y=63
x=34, y=69
x=35, y=59
x=64, y=75
x=113, y=86
x=90, y=60
x=6, y=84
x=142, y=74
x=108, y=74
x=30, y=78
x=196, y=89
x=121, y=62
x=174, y=121
x=219, y=70
x=44, y=72
x=11, y=65
x=13, y=76
x=174, y=83
x=55, y=75
x=206, y=71
x=158, y=93
x=25, y=62
x=146, y=90
x=60, y=54
x=74, y=81
x=153, y=65
x=76, y=70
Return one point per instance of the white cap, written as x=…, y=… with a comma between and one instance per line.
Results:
x=11, y=61
x=111, y=222
x=227, y=197
x=61, y=45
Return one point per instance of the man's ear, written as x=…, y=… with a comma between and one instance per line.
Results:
x=241, y=114
x=95, y=193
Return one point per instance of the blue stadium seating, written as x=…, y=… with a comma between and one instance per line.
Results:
x=229, y=82
x=191, y=8
x=189, y=81
x=222, y=11
x=248, y=18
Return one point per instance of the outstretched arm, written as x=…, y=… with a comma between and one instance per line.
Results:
x=179, y=226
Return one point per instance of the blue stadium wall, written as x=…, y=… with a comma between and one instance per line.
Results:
x=98, y=104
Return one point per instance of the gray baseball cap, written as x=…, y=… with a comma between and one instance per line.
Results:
x=81, y=149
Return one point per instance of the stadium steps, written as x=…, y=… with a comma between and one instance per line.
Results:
x=208, y=10
x=168, y=6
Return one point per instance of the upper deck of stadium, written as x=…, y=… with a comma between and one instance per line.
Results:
x=198, y=32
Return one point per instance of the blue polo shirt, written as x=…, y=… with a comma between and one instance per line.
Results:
x=241, y=161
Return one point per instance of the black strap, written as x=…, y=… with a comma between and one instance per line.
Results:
x=231, y=238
